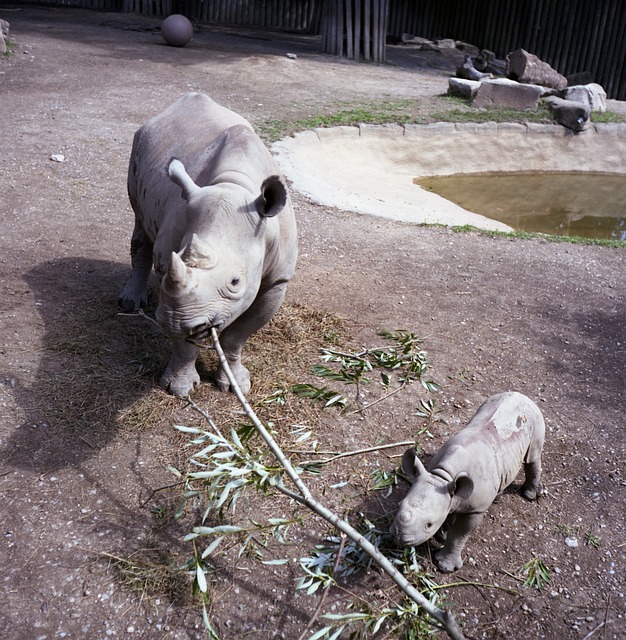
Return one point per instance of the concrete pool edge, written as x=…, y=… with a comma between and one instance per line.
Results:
x=370, y=168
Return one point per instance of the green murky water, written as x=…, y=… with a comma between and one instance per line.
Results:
x=591, y=205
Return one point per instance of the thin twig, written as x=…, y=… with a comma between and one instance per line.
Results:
x=443, y=617
x=467, y=583
x=319, y=607
x=141, y=314
x=602, y=624
x=205, y=415
x=154, y=491
x=346, y=454
x=371, y=404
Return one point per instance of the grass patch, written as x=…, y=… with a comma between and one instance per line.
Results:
x=607, y=117
x=151, y=573
x=526, y=235
x=442, y=108
x=346, y=114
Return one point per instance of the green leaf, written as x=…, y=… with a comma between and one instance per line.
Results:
x=276, y=562
x=188, y=429
x=201, y=578
x=321, y=633
x=225, y=528
x=211, y=548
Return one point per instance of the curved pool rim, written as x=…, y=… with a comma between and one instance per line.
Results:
x=371, y=169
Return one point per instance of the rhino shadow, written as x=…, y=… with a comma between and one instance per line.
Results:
x=94, y=364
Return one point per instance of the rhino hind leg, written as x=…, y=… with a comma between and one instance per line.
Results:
x=532, y=487
x=134, y=295
x=181, y=377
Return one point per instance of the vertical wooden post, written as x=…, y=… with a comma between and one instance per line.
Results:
x=355, y=28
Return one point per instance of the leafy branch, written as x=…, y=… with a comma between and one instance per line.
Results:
x=231, y=460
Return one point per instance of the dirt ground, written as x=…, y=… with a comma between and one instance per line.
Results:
x=87, y=550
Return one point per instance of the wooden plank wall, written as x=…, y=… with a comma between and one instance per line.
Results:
x=355, y=29
x=570, y=35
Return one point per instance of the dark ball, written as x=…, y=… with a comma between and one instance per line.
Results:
x=176, y=30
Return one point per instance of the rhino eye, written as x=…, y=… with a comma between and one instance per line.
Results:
x=235, y=282
x=429, y=525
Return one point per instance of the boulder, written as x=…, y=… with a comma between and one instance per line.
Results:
x=466, y=47
x=488, y=63
x=509, y=94
x=446, y=43
x=462, y=87
x=529, y=69
x=593, y=95
x=408, y=38
x=582, y=77
x=573, y=115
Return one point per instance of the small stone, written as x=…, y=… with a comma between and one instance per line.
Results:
x=571, y=541
x=57, y=157
x=292, y=56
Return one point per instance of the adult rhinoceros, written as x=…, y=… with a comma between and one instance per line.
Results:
x=214, y=216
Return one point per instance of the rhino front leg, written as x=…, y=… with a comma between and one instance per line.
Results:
x=181, y=377
x=235, y=335
x=134, y=295
x=449, y=558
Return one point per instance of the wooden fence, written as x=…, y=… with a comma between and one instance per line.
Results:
x=571, y=35
x=355, y=28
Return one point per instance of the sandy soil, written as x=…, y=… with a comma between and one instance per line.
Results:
x=85, y=435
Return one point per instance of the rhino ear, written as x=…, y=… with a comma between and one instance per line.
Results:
x=179, y=176
x=412, y=465
x=462, y=486
x=273, y=197
x=198, y=254
x=177, y=274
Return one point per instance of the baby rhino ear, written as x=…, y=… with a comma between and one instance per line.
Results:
x=462, y=486
x=412, y=465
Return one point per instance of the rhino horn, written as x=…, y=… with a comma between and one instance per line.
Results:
x=412, y=465
x=198, y=254
x=178, y=273
x=273, y=197
x=179, y=176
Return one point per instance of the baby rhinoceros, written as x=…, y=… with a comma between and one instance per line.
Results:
x=468, y=473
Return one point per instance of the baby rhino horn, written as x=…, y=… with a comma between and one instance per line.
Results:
x=198, y=254
x=178, y=273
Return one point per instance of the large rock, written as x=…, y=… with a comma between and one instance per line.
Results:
x=529, y=69
x=573, y=115
x=508, y=94
x=487, y=62
x=462, y=87
x=592, y=95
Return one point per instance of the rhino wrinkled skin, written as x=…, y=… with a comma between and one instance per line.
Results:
x=468, y=473
x=214, y=216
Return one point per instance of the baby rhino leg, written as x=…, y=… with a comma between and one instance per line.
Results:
x=449, y=558
x=532, y=487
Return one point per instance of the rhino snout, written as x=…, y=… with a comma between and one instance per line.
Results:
x=198, y=328
x=409, y=529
